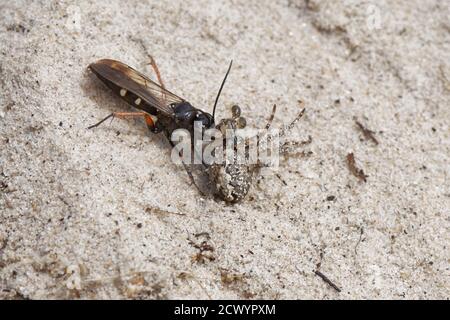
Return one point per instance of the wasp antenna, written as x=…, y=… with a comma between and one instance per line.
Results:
x=220, y=90
x=100, y=122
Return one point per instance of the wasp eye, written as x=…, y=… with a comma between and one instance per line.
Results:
x=235, y=111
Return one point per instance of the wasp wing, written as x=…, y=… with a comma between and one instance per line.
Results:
x=122, y=76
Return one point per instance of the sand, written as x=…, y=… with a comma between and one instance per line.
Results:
x=104, y=213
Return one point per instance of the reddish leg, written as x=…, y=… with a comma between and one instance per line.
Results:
x=125, y=115
x=158, y=75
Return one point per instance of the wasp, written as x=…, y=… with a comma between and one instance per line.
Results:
x=162, y=110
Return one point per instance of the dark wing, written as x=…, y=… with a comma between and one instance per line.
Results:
x=123, y=76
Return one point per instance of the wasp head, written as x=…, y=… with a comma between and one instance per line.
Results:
x=205, y=118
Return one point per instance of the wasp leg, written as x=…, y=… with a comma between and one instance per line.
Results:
x=158, y=74
x=125, y=115
x=188, y=171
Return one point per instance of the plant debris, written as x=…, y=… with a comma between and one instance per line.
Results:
x=229, y=278
x=368, y=134
x=202, y=234
x=327, y=281
x=161, y=212
x=202, y=258
x=205, y=250
x=359, y=173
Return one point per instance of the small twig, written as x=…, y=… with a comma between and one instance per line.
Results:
x=359, y=173
x=368, y=134
x=327, y=281
x=229, y=278
x=203, y=246
x=281, y=179
x=202, y=234
x=64, y=200
x=359, y=240
x=159, y=211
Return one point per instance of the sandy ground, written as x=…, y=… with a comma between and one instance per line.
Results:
x=105, y=214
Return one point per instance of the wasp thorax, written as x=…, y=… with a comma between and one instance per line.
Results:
x=186, y=115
